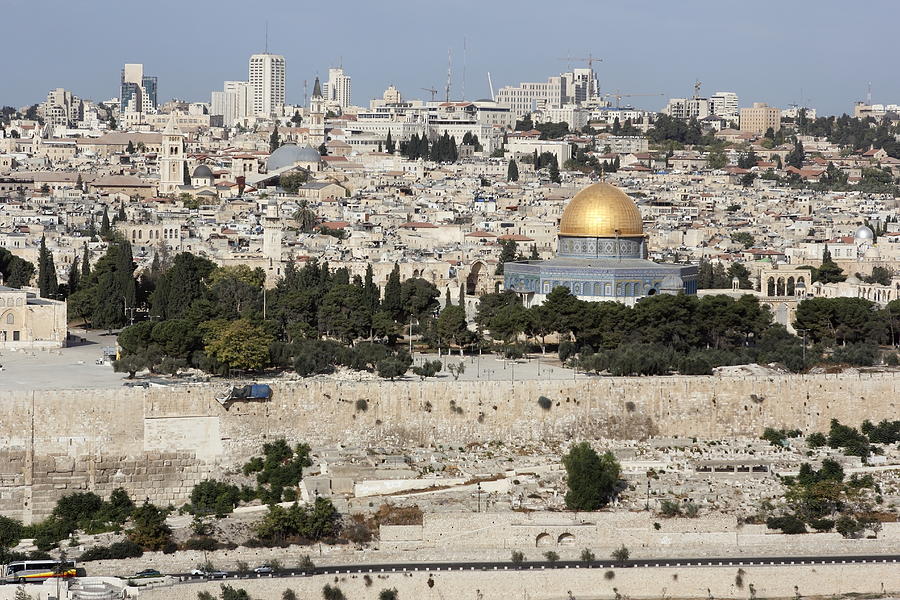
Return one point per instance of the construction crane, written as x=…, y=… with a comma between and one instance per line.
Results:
x=590, y=59
x=433, y=92
x=619, y=97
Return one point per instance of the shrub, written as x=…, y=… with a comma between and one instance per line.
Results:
x=587, y=556
x=621, y=553
x=362, y=405
x=288, y=594
x=609, y=575
x=390, y=594
x=848, y=527
x=306, y=562
x=551, y=556
x=822, y=524
x=517, y=557
x=545, y=402
x=788, y=524
x=859, y=355
x=670, y=508
x=214, y=497
x=207, y=544
x=815, y=440
x=242, y=567
x=691, y=510
x=332, y=593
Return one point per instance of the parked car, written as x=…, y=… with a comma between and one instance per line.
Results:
x=147, y=573
x=264, y=569
x=209, y=574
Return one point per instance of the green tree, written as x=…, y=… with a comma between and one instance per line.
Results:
x=180, y=286
x=274, y=140
x=512, y=171
x=290, y=182
x=796, y=156
x=509, y=251
x=345, y=312
x=47, y=283
x=105, y=228
x=238, y=344
x=150, y=530
x=419, y=298
x=716, y=159
x=592, y=480
x=130, y=148
x=393, y=298
x=451, y=326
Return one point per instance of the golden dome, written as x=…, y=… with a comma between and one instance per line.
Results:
x=601, y=210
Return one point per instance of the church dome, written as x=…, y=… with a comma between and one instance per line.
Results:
x=202, y=171
x=601, y=210
x=864, y=233
x=291, y=154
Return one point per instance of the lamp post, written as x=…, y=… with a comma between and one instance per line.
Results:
x=479, y=496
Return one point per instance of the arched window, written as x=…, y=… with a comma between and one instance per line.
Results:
x=10, y=319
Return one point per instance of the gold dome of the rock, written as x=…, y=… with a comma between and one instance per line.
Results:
x=601, y=210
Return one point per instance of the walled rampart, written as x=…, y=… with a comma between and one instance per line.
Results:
x=157, y=442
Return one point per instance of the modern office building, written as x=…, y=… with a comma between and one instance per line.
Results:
x=62, y=108
x=233, y=103
x=338, y=88
x=137, y=91
x=724, y=104
x=759, y=118
x=267, y=83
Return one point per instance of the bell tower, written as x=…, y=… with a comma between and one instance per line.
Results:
x=272, y=236
x=171, y=158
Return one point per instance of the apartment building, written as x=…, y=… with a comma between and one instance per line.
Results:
x=759, y=118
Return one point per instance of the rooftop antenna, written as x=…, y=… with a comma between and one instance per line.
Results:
x=869, y=94
x=305, y=95
x=465, y=57
x=697, y=85
x=491, y=85
x=267, y=37
x=449, y=72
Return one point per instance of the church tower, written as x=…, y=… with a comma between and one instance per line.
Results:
x=171, y=158
x=317, y=116
x=272, y=234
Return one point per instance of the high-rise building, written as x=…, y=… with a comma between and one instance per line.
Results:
x=581, y=85
x=267, y=83
x=724, y=104
x=527, y=97
x=62, y=108
x=337, y=88
x=759, y=118
x=234, y=103
x=138, y=91
x=687, y=108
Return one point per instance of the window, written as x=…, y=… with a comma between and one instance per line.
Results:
x=10, y=319
x=15, y=336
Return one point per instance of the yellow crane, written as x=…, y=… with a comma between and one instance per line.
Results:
x=433, y=92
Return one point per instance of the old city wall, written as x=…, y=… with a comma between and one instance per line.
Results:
x=158, y=442
x=694, y=582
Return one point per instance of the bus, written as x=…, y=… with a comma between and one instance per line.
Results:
x=26, y=571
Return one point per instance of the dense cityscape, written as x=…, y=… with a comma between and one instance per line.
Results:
x=558, y=342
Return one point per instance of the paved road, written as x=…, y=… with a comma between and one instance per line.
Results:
x=765, y=561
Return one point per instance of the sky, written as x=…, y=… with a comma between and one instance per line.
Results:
x=821, y=53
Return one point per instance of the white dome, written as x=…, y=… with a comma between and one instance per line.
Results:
x=864, y=233
x=291, y=154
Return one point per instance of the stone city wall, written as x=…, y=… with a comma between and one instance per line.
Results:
x=157, y=442
x=687, y=582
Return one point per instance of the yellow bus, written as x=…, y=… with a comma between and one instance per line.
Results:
x=26, y=571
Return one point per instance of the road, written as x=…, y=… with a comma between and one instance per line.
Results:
x=765, y=561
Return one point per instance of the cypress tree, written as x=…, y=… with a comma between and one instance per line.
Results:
x=370, y=289
x=47, y=282
x=393, y=302
x=120, y=216
x=85, y=263
x=274, y=141
x=74, y=275
x=462, y=295
x=447, y=301
x=124, y=273
x=512, y=171
x=104, y=224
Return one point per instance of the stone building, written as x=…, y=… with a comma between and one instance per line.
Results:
x=601, y=255
x=28, y=321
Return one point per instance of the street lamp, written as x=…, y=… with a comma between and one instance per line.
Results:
x=479, y=496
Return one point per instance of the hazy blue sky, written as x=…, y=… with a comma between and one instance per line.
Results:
x=763, y=50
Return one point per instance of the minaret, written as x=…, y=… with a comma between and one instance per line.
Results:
x=317, y=116
x=272, y=235
x=171, y=158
